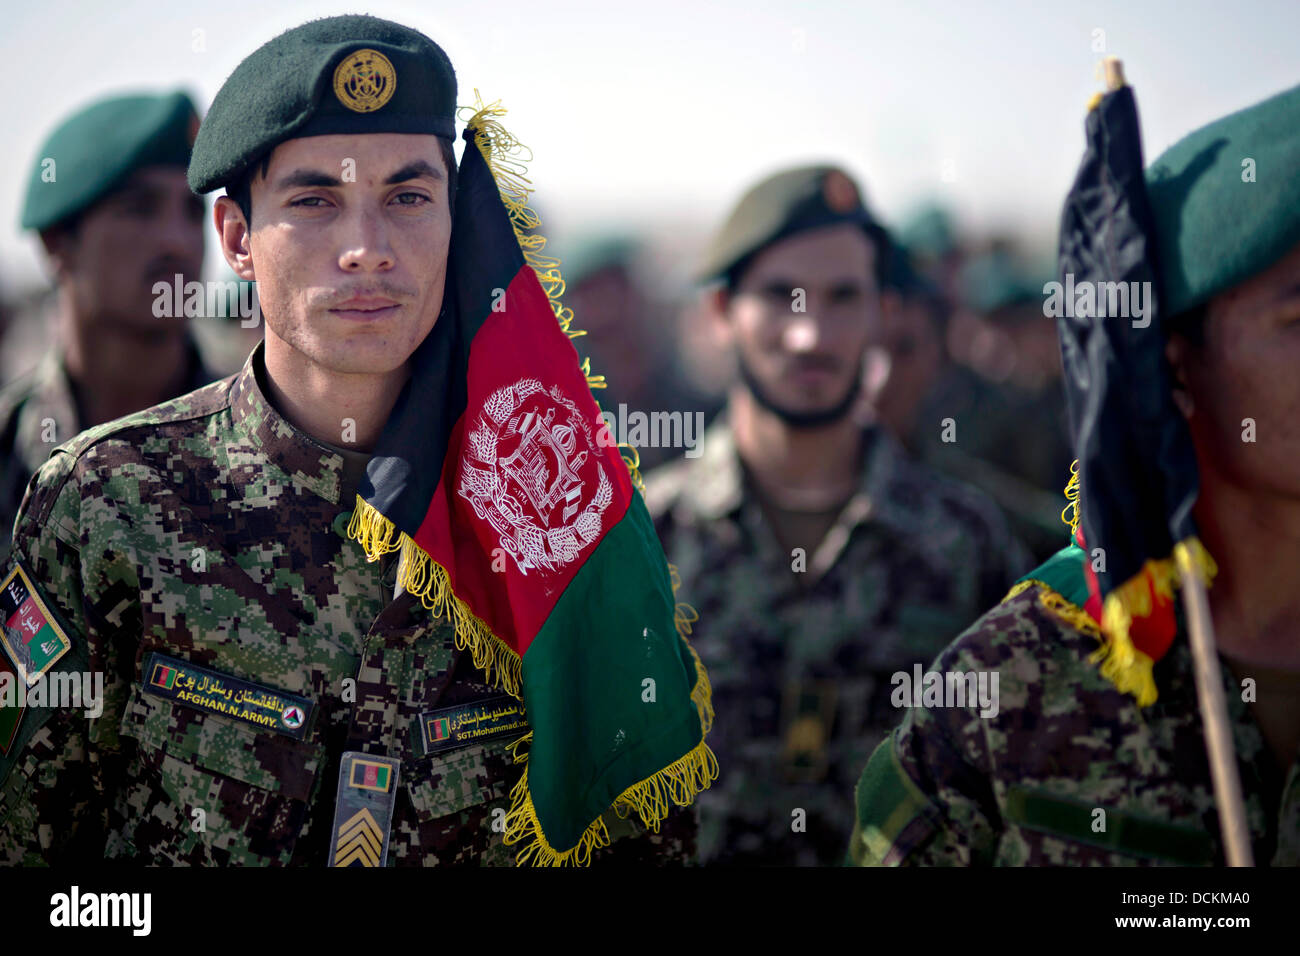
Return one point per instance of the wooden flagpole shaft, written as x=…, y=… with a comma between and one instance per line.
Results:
x=1214, y=716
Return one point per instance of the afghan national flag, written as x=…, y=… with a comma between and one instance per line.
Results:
x=163, y=676
x=1137, y=467
x=516, y=515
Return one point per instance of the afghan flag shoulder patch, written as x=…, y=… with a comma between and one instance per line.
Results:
x=32, y=638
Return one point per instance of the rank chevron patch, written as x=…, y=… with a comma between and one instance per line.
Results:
x=360, y=841
x=363, y=810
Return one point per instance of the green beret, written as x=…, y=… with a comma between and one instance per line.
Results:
x=994, y=281
x=98, y=147
x=591, y=254
x=352, y=74
x=928, y=232
x=1219, y=218
x=786, y=203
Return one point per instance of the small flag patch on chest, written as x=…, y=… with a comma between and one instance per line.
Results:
x=370, y=775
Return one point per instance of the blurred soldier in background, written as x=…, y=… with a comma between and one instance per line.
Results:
x=821, y=559
x=108, y=196
x=975, y=391
x=931, y=242
x=631, y=337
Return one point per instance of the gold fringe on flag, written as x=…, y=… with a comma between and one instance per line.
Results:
x=680, y=781
x=1122, y=663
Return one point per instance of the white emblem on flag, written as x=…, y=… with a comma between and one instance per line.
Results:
x=522, y=472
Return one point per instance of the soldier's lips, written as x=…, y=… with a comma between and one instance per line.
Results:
x=811, y=376
x=359, y=314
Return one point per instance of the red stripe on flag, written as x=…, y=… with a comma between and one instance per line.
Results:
x=519, y=343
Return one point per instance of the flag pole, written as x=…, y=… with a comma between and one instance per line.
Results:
x=1209, y=678
x=1214, y=714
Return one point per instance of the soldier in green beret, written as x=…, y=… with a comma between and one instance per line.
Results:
x=632, y=340
x=994, y=414
x=108, y=197
x=266, y=686
x=821, y=558
x=1070, y=770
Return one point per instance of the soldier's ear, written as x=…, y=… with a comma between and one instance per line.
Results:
x=1178, y=352
x=60, y=243
x=233, y=237
x=716, y=302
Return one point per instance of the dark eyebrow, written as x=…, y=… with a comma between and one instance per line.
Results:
x=1289, y=292
x=414, y=170
x=313, y=177
x=306, y=177
x=136, y=191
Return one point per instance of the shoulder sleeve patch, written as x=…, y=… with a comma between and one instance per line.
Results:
x=31, y=636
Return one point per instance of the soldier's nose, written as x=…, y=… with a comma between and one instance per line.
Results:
x=800, y=335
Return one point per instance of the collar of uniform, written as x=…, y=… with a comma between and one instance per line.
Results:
x=717, y=487
x=51, y=398
x=294, y=452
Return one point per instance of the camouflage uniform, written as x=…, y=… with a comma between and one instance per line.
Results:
x=45, y=393
x=801, y=662
x=1024, y=787
x=116, y=531
x=1009, y=443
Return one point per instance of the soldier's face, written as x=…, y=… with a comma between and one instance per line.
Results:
x=912, y=343
x=802, y=316
x=145, y=232
x=350, y=247
x=1249, y=368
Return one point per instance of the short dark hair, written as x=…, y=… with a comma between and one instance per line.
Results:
x=1190, y=324
x=241, y=191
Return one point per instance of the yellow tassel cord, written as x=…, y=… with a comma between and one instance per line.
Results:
x=679, y=782
x=1072, y=497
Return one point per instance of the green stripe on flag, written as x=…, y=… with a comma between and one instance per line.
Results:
x=599, y=668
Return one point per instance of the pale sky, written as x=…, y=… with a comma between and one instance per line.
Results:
x=658, y=115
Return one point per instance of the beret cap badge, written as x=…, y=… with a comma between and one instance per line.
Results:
x=839, y=192
x=364, y=81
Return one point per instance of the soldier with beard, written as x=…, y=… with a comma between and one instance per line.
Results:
x=823, y=560
x=108, y=197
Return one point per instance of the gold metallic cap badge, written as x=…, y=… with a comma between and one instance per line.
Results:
x=364, y=81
